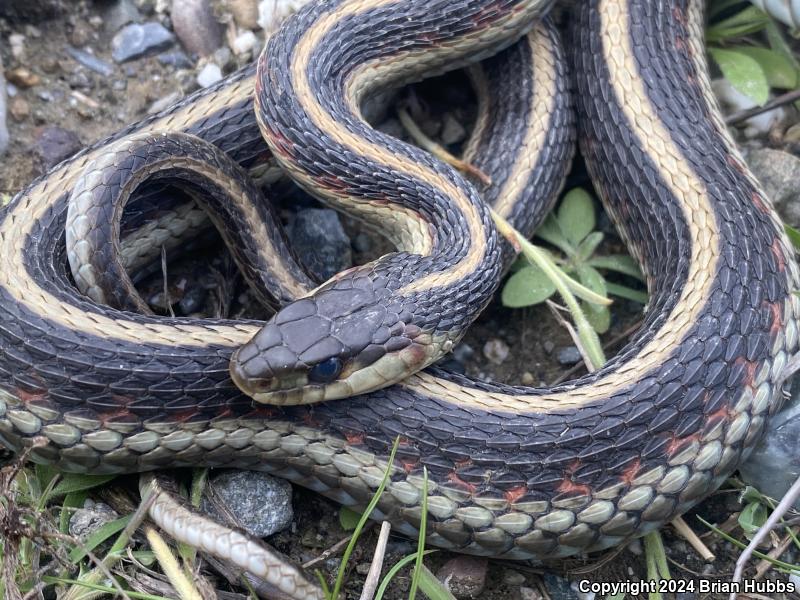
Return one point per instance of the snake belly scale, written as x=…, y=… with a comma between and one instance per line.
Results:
x=515, y=472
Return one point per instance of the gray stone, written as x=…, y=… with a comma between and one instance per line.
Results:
x=496, y=351
x=527, y=593
x=453, y=132
x=176, y=59
x=90, y=61
x=119, y=13
x=85, y=521
x=464, y=576
x=54, y=144
x=245, y=12
x=260, y=503
x=195, y=26
x=559, y=588
x=135, y=41
x=320, y=242
x=568, y=355
x=774, y=465
x=209, y=75
x=4, y=137
x=777, y=171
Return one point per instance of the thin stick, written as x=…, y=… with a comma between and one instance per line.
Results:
x=764, y=565
x=776, y=102
x=374, y=574
x=690, y=536
x=335, y=549
x=788, y=500
x=166, y=287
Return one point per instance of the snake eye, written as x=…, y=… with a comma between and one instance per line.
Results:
x=326, y=371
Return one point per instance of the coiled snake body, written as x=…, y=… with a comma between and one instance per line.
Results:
x=514, y=472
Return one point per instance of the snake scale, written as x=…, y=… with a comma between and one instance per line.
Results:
x=514, y=472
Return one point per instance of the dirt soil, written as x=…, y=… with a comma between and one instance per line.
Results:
x=78, y=100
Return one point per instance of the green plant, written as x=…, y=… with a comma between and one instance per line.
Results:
x=571, y=230
x=753, y=65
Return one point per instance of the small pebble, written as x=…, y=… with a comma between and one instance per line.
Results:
x=81, y=33
x=176, y=59
x=464, y=576
x=245, y=13
x=548, y=346
x=85, y=521
x=135, y=41
x=195, y=26
x=16, y=42
x=453, y=132
x=244, y=42
x=261, y=504
x=513, y=578
x=54, y=144
x=193, y=300
x=90, y=61
x=463, y=352
x=120, y=13
x=496, y=351
x=19, y=109
x=362, y=568
x=22, y=77
x=209, y=75
x=528, y=378
x=272, y=12
x=320, y=242
x=527, y=593
x=162, y=103
x=568, y=355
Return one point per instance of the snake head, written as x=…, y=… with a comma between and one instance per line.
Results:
x=345, y=339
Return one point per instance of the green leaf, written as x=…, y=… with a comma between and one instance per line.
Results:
x=794, y=236
x=527, y=287
x=75, y=482
x=779, y=44
x=576, y=215
x=348, y=518
x=752, y=517
x=742, y=23
x=621, y=263
x=432, y=587
x=744, y=73
x=589, y=245
x=599, y=317
x=623, y=291
x=99, y=536
x=550, y=231
x=780, y=71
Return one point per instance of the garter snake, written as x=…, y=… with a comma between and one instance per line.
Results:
x=514, y=472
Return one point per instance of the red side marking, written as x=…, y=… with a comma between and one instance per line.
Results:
x=722, y=413
x=515, y=494
x=332, y=182
x=777, y=250
x=262, y=411
x=735, y=163
x=28, y=397
x=677, y=444
x=309, y=420
x=759, y=203
x=777, y=317
x=629, y=474
x=354, y=439
x=409, y=465
x=182, y=416
x=750, y=370
x=574, y=489
x=464, y=462
x=678, y=15
x=468, y=487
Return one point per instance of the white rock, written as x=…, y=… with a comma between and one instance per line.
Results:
x=272, y=12
x=17, y=43
x=244, y=42
x=209, y=75
x=736, y=101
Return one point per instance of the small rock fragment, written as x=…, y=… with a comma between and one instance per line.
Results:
x=90, y=518
x=496, y=351
x=528, y=378
x=513, y=578
x=135, y=41
x=209, y=75
x=54, y=144
x=244, y=42
x=568, y=355
x=22, y=77
x=527, y=593
x=321, y=244
x=19, y=109
x=272, y=12
x=260, y=503
x=195, y=26
x=90, y=61
x=176, y=59
x=464, y=576
x=120, y=13
x=245, y=13
x=16, y=42
x=453, y=132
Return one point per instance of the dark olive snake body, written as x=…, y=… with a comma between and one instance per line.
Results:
x=514, y=472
